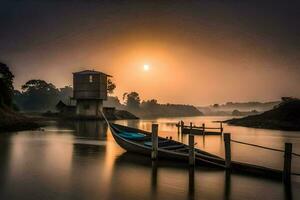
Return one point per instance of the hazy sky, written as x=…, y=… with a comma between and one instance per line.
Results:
x=199, y=52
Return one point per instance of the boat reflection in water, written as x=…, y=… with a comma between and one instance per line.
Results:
x=169, y=180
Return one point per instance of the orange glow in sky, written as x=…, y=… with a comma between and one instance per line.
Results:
x=185, y=52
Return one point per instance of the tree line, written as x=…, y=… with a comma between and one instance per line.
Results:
x=6, y=87
x=40, y=96
x=35, y=95
x=151, y=108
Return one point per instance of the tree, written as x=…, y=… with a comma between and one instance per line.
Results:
x=65, y=94
x=113, y=102
x=132, y=100
x=149, y=104
x=37, y=84
x=38, y=95
x=236, y=113
x=216, y=105
x=110, y=86
x=6, y=86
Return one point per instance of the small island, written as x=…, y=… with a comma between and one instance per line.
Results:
x=285, y=116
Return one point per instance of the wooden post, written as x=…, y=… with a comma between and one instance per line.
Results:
x=178, y=128
x=191, y=182
x=154, y=175
x=221, y=128
x=287, y=162
x=227, y=150
x=191, y=148
x=182, y=126
x=154, y=140
x=203, y=127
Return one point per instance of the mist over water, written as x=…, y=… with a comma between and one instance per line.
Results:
x=80, y=160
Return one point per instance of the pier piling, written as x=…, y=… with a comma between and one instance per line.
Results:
x=203, y=127
x=287, y=162
x=191, y=148
x=221, y=128
x=154, y=139
x=181, y=127
x=227, y=150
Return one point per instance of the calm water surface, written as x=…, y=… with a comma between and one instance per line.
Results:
x=82, y=161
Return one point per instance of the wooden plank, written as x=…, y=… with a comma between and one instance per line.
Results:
x=198, y=132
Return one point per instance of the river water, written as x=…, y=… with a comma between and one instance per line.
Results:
x=80, y=160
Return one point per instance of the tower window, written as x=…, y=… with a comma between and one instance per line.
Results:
x=91, y=78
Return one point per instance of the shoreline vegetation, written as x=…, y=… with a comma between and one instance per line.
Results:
x=285, y=116
x=237, y=108
x=166, y=110
x=45, y=99
x=151, y=108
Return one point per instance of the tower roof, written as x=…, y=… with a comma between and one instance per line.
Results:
x=91, y=72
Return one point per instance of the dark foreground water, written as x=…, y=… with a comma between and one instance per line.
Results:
x=82, y=161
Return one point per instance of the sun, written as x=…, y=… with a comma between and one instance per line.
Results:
x=146, y=67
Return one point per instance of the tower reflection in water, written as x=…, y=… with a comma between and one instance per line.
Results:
x=91, y=129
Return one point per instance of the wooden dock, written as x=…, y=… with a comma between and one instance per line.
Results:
x=235, y=166
x=199, y=130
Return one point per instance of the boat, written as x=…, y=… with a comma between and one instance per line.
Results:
x=139, y=141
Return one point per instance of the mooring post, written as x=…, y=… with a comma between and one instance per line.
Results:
x=227, y=150
x=182, y=126
x=178, y=128
x=154, y=139
x=191, y=147
x=287, y=162
x=203, y=127
x=191, y=182
x=221, y=128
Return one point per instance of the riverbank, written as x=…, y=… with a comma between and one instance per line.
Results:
x=285, y=116
x=13, y=121
x=110, y=114
x=166, y=110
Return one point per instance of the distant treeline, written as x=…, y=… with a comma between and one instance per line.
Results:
x=36, y=95
x=245, y=106
x=151, y=108
x=238, y=108
x=41, y=96
x=166, y=110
